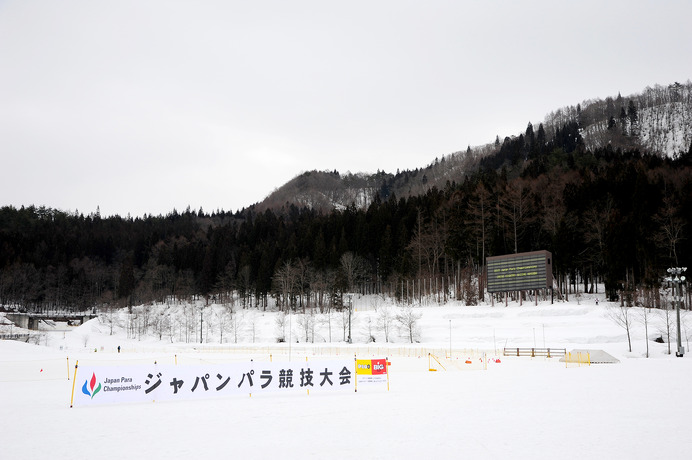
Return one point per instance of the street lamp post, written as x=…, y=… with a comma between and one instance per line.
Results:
x=676, y=279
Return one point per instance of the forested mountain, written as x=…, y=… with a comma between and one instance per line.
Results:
x=324, y=191
x=327, y=190
x=658, y=121
x=609, y=209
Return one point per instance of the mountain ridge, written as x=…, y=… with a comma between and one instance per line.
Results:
x=657, y=120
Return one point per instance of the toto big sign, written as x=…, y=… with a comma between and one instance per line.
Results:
x=519, y=272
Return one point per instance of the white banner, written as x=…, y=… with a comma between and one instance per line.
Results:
x=115, y=384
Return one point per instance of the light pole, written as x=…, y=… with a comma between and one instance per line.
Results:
x=350, y=310
x=676, y=279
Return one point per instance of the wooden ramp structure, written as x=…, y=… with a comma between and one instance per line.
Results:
x=597, y=356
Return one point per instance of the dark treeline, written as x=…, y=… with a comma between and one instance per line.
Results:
x=612, y=216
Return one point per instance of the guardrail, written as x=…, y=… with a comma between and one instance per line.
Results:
x=24, y=337
x=533, y=352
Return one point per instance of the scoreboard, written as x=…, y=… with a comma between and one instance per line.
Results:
x=520, y=272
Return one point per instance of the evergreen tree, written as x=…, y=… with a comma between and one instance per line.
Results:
x=633, y=119
x=540, y=139
x=126, y=281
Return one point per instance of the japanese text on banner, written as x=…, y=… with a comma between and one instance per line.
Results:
x=114, y=384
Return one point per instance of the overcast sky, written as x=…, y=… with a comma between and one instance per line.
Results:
x=141, y=107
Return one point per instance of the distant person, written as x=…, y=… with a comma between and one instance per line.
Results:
x=119, y=345
x=596, y=305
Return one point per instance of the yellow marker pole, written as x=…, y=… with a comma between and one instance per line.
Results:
x=355, y=368
x=74, y=379
x=386, y=363
x=176, y=359
x=68, y=368
x=252, y=371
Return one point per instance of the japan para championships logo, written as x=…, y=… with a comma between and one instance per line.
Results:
x=88, y=388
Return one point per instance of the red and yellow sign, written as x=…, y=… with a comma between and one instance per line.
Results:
x=371, y=366
x=372, y=371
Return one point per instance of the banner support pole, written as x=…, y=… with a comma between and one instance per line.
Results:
x=386, y=363
x=74, y=379
x=355, y=361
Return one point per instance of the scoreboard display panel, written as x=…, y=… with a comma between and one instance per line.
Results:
x=520, y=272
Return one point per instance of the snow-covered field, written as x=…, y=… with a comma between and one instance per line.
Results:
x=520, y=408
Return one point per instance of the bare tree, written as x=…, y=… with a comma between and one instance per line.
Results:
x=329, y=323
x=284, y=282
x=171, y=326
x=281, y=321
x=418, y=245
x=353, y=269
x=369, y=329
x=670, y=228
x=161, y=323
x=322, y=285
x=428, y=244
x=225, y=283
x=303, y=275
x=111, y=316
x=306, y=321
x=468, y=287
x=408, y=318
x=252, y=327
x=595, y=225
x=623, y=317
x=479, y=213
x=224, y=318
x=244, y=285
x=385, y=318
x=645, y=317
x=515, y=205
x=667, y=322
x=685, y=325
x=237, y=323
x=552, y=205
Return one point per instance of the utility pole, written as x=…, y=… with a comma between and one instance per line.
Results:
x=200, y=326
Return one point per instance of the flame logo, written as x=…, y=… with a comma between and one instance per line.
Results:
x=88, y=387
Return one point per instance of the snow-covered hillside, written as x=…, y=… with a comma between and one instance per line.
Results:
x=518, y=408
x=658, y=120
x=667, y=128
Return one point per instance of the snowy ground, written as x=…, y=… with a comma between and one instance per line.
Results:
x=521, y=408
